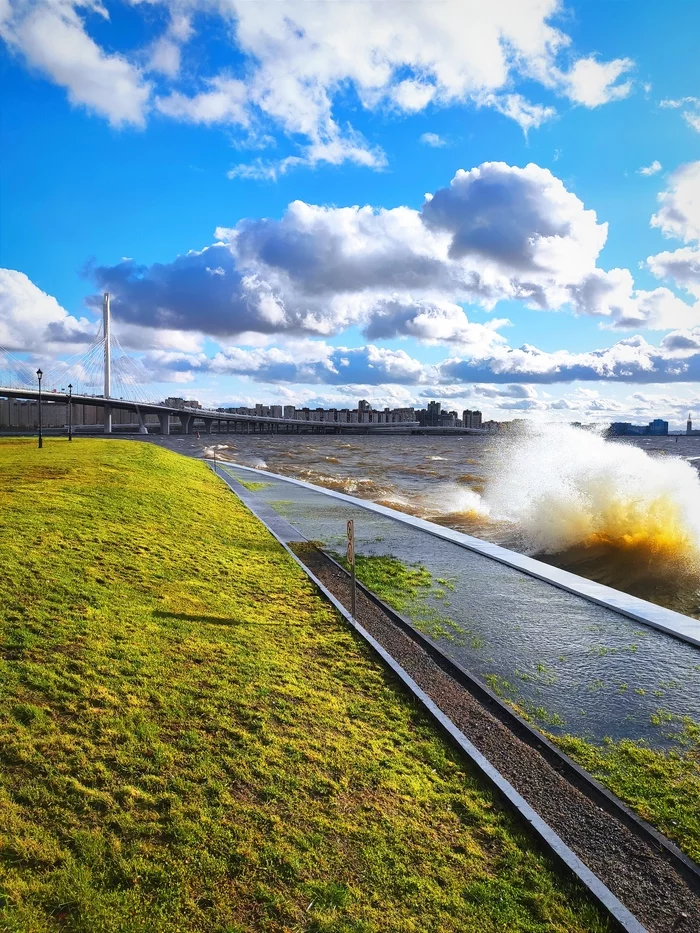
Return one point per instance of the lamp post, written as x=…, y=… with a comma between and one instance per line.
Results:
x=70, y=412
x=39, y=374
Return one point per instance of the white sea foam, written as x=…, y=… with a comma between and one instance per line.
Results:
x=565, y=486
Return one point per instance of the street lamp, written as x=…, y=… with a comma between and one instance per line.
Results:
x=70, y=412
x=39, y=374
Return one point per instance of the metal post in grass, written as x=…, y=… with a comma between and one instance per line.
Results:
x=351, y=562
x=70, y=412
x=39, y=374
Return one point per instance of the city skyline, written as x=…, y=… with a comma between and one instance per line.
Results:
x=360, y=206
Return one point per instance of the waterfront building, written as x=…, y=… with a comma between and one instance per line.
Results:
x=471, y=419
x=658, y=428
x=181, y=402
x=689, y=428
x=23, y=415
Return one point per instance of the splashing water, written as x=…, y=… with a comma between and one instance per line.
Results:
x=607, y=510
x=565, y=486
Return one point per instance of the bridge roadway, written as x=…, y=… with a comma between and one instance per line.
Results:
x=248, y=423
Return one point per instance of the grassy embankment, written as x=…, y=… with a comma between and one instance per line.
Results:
x=192, y=740
x=663, y=787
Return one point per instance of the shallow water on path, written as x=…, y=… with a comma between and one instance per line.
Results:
x=573, y=666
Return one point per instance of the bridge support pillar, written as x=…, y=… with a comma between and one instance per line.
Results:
x=164, y=423
x=186, y=422
x=108, y=419
x=207, y=426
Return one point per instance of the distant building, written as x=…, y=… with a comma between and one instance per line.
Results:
x=363, y=414
x=689, y=428
x=23, y=415
x=657, y=428
x=429, y=417
x=448, y=419
x=471, y=419
x=173, y=402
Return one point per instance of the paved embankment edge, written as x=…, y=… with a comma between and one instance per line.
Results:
x=658, y=617
x=552, y=843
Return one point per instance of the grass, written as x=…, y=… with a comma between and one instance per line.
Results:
x=407, y=588
x=192, y=740
x=252, y=485
x=663, y=787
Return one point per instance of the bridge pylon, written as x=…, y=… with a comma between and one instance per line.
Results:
x=107, y=362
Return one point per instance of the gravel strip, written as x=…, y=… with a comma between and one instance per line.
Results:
x=646, y=884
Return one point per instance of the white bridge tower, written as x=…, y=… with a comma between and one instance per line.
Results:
x=108, y=363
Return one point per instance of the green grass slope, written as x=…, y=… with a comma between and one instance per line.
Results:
x=192, y=740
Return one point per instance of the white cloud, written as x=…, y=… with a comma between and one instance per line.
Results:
x=529, y=116
x=632, y=360
x=497, y=232
x=691, y=115
x=592, y=83
x=693, y=120
x=651, y=169
x=31, y=320
x=682, y=101
x=294, y=62
x=509, y=373
x=433, y=139
x=165, y=52
x=679, y=214
x=51, y=36
x=681, y=265
x=224, y=102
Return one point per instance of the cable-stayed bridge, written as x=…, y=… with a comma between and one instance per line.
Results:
x=124, y=382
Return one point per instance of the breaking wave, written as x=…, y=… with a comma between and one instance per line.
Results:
x=606, y=510
x=565, y=486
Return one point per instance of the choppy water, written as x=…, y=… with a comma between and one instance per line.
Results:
x=623, y=513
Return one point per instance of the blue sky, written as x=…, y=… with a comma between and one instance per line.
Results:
x=137, y=136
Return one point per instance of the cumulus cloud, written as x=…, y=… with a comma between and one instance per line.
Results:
x=679, y=213
x=316, y=363
x=31, y=320
x=496, y=232
x=651, y=169
x=295, y=61
x=51, y=35
x=630, y=361
x=679, y=216
x=225, y=101
x=592, y=83
x=522, y=220
x=681, y=266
